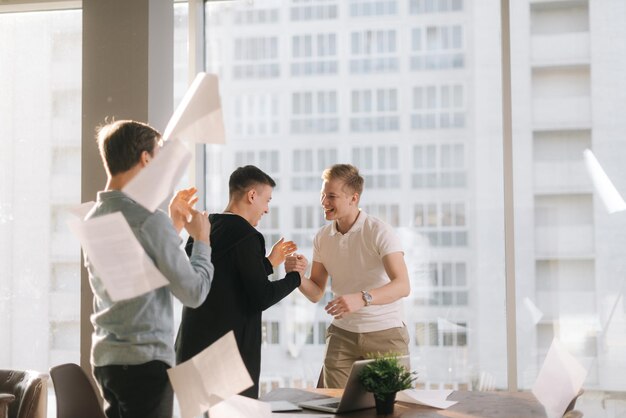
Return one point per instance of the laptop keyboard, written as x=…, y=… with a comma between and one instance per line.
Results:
x=332, y=405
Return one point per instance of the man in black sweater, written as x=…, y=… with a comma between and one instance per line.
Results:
x=240, y=291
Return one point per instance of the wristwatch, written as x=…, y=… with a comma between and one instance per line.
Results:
x=367, y=297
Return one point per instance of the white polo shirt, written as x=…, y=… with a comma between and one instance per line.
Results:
x=354, y=261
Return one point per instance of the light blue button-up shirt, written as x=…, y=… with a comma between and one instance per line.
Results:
x=141, y=329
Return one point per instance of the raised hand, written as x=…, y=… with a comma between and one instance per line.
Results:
x=280, y=250
x=180, y=207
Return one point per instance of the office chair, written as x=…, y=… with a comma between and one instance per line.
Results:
x=76, y=397
x=29, y=390
x=5, y=400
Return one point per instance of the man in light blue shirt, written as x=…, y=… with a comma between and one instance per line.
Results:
x=132, y=343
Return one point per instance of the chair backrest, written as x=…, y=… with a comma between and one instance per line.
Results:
x=76, y=396
x=30, y=390
x=5, y=400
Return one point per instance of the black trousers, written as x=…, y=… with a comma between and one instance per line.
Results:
x=136, y=391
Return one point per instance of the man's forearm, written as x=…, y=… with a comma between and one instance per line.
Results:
x=311, y=290
x=391, y=292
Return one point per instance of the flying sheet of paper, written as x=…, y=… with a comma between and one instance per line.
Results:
x=118, y=259
x=157, y=180
x=80, y=211
x=613, y=201
x=198, y=117
x=213, y=375
x=559, y=380
x=240, y=407
x=433, y=398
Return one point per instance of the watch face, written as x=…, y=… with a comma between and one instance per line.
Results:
x=367, y=298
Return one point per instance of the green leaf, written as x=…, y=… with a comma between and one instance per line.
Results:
x=386, y=375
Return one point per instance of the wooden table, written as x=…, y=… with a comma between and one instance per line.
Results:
x=470, y=405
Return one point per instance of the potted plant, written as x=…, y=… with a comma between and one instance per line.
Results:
x=384, y=377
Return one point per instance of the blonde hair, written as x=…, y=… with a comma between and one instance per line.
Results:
x=347, y=173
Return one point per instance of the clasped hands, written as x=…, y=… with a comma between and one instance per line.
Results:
x=284, y=252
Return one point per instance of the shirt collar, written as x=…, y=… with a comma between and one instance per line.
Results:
x=358, y=224
x=112, y=194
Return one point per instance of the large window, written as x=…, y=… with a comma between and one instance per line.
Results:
x=40, y=167
x=345, y=90
x=569, y=249
x=409, y=90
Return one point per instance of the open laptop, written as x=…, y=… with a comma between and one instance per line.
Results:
x=354, y=395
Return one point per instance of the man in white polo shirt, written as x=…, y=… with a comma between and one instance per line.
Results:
x=365, y=259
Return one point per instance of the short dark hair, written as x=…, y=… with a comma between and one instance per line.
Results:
x=122, y=142
x=244, y=178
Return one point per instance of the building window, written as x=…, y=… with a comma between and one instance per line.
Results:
x=266, y=160
x=439, y=166
x=255, y=16
x=446, y=285
x=366, y=8
x=390, y=213
x=255, y=115
x=435, y=6
x=373, y=51
x=379, y=166
x=437, y=48
x=306, y=10
x=438, y=107
x=271, y=333
x=307, y=220
x=303, y=333
x=314, y=112
x=256, y=58
x=308, y=165
x=314, y=54
x=309, y=333
x=374, y=110
x=322, y=326
x=40, y=175
x=443, y=223
x=271, y=220
x=441, y=333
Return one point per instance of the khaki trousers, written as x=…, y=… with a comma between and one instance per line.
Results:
x=344, y=348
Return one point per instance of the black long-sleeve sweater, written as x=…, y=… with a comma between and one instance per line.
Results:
x=239, y=293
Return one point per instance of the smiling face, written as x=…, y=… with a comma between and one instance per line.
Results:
x=259, y=197
x=338, y=201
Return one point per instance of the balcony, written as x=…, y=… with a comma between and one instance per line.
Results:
x=560, y=49
x=561, y=177
x=562, y=113
x=564, y=241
